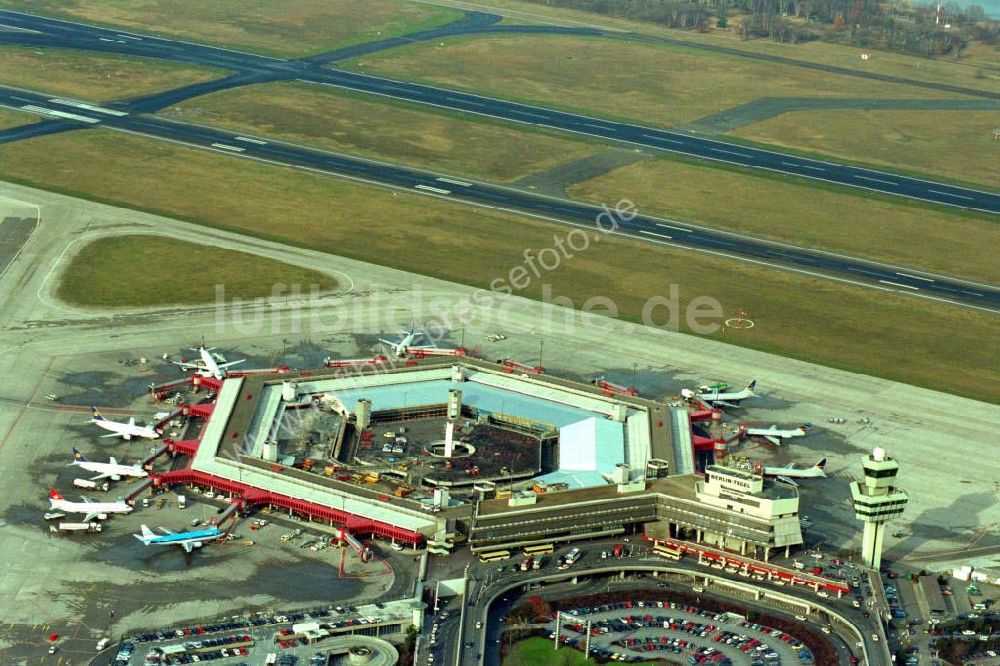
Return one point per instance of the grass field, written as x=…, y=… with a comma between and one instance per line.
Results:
x=956, y=144
x=909, y=340
x=12, y=118
x=907, y=234
x=657, y=85
x=366, y=125
x=979, y=66
x=290, y=28
x=94, y=77
x=538, y=652
x=115, y=272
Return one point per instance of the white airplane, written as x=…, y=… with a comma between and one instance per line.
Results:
x=789, y=473
x=403, y=346
x=209, y=365
x=123, y=430
x=109, y=470
x=717, y=397
x=774, y=434
x=91, y=509
x=186, y=540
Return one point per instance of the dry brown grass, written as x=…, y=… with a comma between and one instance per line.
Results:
x=92, y=76
x=12, y=118
x=978, y=68
x=114, y=272
x=955, y=144
x=286, y=28
x=909, y=235
x=657, y=85
x=867, y=331
x=365, y=125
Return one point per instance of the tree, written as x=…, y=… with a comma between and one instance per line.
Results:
x=721, y=22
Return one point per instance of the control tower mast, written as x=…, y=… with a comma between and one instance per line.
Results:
x=876, y=501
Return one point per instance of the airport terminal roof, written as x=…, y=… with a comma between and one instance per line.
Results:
x=589, y=450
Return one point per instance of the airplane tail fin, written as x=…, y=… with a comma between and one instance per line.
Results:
x=821, y=465
x=95, y=414
x=752, y=385
x=805, y=427
x=77, y=456
x=54, y=494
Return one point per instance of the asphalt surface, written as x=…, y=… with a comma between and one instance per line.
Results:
x=641, y=227
x=63, y=34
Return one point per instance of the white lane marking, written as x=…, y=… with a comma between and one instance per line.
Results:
x=896, y=284
x=601, y=127
x=662, y=138
x=105, y=39
x=972, y=293
x=914, y=277
x=802, y=166
x=730, y=152
x=86, y=107
x=653, y=233
x=528, y=113
x=463, y=101
x=428, y=188
x=138, y=39
x=228, y=147
x=667, y=226
x=454, y=182
x=944, y=288
x=876, y=180
x=59, y=114
x=949, y=194
x=249, y=140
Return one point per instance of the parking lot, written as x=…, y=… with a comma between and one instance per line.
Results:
x=641, y=630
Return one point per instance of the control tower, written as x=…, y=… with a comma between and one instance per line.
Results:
x=877, y=501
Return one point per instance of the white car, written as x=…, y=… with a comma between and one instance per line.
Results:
x=800, y=618
x=826, y=630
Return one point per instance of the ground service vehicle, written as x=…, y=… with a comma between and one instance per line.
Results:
x=668, y=551
x=494, y=556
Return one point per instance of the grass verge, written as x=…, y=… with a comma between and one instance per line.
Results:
x=806, y=214
x=653, y=84
x=11, y=118
x=873, y=332
x=291, y=28
x=537, y=651
x=115, y=272
x=396, y=132
x=956, y=144
x=94, y=77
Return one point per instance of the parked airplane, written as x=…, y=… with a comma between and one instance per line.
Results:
x=123, y=430
x=403, y=346
x=774, y=434
x=789, y=472
x=717, y=397
x=186, y=540
x=91, y=509
x=209, y=364
x=109, y=470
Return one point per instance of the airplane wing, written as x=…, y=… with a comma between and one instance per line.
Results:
x=226, y=365
x=131, y=420
x=785, y=479
x=102, y=475
x=114, y=434
x=85, y=499
x=165, y=530
x=189, y=365
x=112, y=461
x=790, y=466
x=188, y=546
x=91, y=516
x=774, y=440
x=723, y=403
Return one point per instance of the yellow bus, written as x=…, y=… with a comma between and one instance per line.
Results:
x=544, y=549
x=494, y=556
x=668, y=551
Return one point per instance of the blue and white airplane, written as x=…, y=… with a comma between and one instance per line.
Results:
x=187, y=540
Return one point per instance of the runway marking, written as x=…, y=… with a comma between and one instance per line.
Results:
x=802, y=166
x=944, y=288
x=897, y=284
x=59, y=114
x=662, y=138
x=527, y=113
x=437, y=190
x=949, y=194
x=653, y=233
x=228, y=147
x=971, y=293
x=249, y=140
x=730, y=152
x=86, y=107
x=861, y=270
x=667, y=226
x=105, y=39
x=876, y=180
x=914, y=277
x=601, y=127
x=138, y=39
x=464, y=101
x=454, y=182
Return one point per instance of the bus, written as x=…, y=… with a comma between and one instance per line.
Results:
x=572, y=556
x=668, y=551
x=494, y=556
x=544, y=549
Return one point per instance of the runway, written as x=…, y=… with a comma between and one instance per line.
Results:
x=256, y=68
x=455, y=188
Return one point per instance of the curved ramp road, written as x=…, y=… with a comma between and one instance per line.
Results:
x=75, y=35
x=66, y=113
